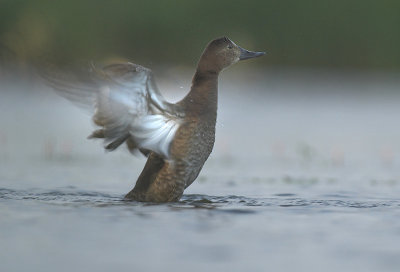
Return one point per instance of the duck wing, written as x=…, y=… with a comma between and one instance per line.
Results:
x=128, y=107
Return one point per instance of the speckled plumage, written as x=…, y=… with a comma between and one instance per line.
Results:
x=177, y=138
x=164, y=181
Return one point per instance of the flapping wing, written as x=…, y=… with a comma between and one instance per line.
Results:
x=128, y=107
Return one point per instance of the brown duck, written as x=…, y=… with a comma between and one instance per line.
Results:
x=177, y=138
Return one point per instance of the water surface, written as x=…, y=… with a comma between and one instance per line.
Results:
x=304, y=176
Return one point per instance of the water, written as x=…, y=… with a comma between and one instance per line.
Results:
x=301, y=179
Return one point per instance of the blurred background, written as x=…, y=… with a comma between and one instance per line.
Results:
x=305, y=172
x=340, y=34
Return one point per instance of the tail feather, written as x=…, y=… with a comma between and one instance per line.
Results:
x=116, y=143
x=97, y=134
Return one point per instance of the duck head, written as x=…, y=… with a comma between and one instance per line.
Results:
x=222, y=53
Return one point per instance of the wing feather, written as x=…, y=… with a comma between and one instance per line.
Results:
x=128, y=106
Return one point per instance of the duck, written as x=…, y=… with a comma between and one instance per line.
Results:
x=177, y=138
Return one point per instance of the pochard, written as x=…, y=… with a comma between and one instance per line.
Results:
x=176, y=138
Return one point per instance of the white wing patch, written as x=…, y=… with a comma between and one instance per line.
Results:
x=127, y=108
x=155, y=132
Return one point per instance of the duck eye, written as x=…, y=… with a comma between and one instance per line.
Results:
x=230, y=46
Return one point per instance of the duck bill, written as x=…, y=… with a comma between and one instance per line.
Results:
x=246, y=54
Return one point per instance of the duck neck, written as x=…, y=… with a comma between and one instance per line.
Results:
x=203, y=96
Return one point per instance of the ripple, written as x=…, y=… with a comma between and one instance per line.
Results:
x=230, y=203
x=286, y=201
x=285, y=194
x=59, y=196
